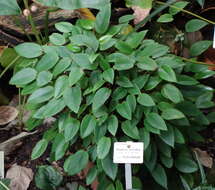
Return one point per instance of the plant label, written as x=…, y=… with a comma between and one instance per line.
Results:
x=128, y=152
x=1, y=164
x=214, y=39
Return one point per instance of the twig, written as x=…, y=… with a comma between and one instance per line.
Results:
x=14, y=61
x=196, y=62
x=188, y=12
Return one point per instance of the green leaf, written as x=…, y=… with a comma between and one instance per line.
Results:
x=152, y=82
x=172, y=113
x=103, y=19
x=122, y=62
x=195, y=25
x=126, y=18
x=130, y=130
x=39, y=149
x=185, y=165
x=135, y=38
x=76, y=162
x=156, y=121
x=167, y=73
x=159, y=175
x=146, y=63
x=112, y=124
x=131, y=100
x=75, y=75
x=186, y=80
x=86, y=24
x=41, y=95
x=201, y=2
x=57, y=39
x=124, y=110
x=71, y=129
x=75, y=4
x=168, y=136
x=100, y=98
x=145, y=4
x=180, y=5
x=83, y=61
x=53, y=107
x=145, y=100
x=123, y=47
x=60, y=149
x=43, y=78
x=103, y=147
x=64, y=27
x=165, y=18
x=60, y=85
x=91, y=176
x=72, y=97
x=84, y=40
x=205, y=100
x=172, y=93
x=109, y=167
x=199, y=47
x=29, y=50
x=144, y=137
x=166, y=161
x=88, y=125
x=123, y=81
x=9, y=7
x=61, y=66
x=179, y=138
x=23, y=77
x=108, y=75
x=48, y=61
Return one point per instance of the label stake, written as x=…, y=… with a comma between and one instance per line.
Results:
x=128, y=177
x=1, y=164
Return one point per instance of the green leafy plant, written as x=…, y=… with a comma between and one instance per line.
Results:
x=104, y=86
x=48, y=178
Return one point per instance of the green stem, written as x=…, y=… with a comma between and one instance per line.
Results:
x=6, y=68
x=34, y=29
x=196, y=62
x=188, y=12
x=3, y=185
x=46, y=24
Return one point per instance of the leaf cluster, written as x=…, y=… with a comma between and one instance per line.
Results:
x=104, y=86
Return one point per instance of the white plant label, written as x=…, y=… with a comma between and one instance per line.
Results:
x=214, y=39
x=128, y=152
x=1, y=164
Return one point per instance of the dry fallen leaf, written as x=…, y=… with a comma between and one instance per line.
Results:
x=209, y=56
x=7, y=114
x=140, y=13
x=205, y=159
x=10, y=145
x=20, y=177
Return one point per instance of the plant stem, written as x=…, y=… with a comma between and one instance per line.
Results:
x=154, y=13
x=46, y=24
x=3, y=185
x=6, y=68
x=196, y=62
x=188, y=12
x=30, y=18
